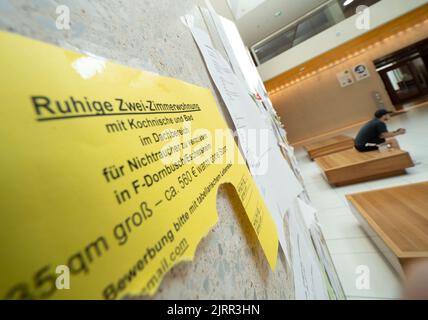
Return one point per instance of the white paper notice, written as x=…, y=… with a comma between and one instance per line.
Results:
x=345, y=78
x=274, y=177
x=309, y=278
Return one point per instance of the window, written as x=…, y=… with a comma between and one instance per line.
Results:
x=325, y=17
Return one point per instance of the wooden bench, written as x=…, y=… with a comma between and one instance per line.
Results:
x=351, y=166
x=396, y=219
x=329, y=146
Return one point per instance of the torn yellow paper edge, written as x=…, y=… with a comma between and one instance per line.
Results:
x=84, y=187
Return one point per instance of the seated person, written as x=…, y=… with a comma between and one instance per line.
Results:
x=375, y=133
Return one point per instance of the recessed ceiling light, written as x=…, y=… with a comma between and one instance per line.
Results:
x=348, y=2
x=278, y=13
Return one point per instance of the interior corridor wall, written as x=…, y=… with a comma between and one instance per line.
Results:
x=319, y=105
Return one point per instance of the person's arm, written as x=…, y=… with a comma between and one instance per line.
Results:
x=386, y=135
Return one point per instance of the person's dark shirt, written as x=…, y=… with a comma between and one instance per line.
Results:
x=371, y=133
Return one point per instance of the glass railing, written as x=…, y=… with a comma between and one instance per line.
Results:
x=311, y=24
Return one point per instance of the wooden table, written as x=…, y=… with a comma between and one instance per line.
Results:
x=396, y=219
x=329, y=146
x=351, y=166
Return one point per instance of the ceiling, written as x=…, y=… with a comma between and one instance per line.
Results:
x=256, y=19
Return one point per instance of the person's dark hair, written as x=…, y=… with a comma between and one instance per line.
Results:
x=381, y=112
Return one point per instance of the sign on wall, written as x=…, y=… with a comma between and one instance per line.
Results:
x=361, y=72
x=345, y=78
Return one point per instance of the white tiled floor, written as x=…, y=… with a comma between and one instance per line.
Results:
x=349, y=245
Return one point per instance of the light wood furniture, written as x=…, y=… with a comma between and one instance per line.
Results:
x=396, y=219
x=351, y=166
x=328, y=146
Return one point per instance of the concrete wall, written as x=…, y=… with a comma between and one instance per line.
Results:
x=149, y=35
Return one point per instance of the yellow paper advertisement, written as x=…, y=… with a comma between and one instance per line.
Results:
x=109, y=175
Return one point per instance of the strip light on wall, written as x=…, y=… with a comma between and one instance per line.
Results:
x=339, y=61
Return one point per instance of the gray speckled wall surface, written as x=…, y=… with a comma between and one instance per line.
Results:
x=149, y=35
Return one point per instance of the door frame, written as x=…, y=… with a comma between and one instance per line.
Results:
x=396, y=101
